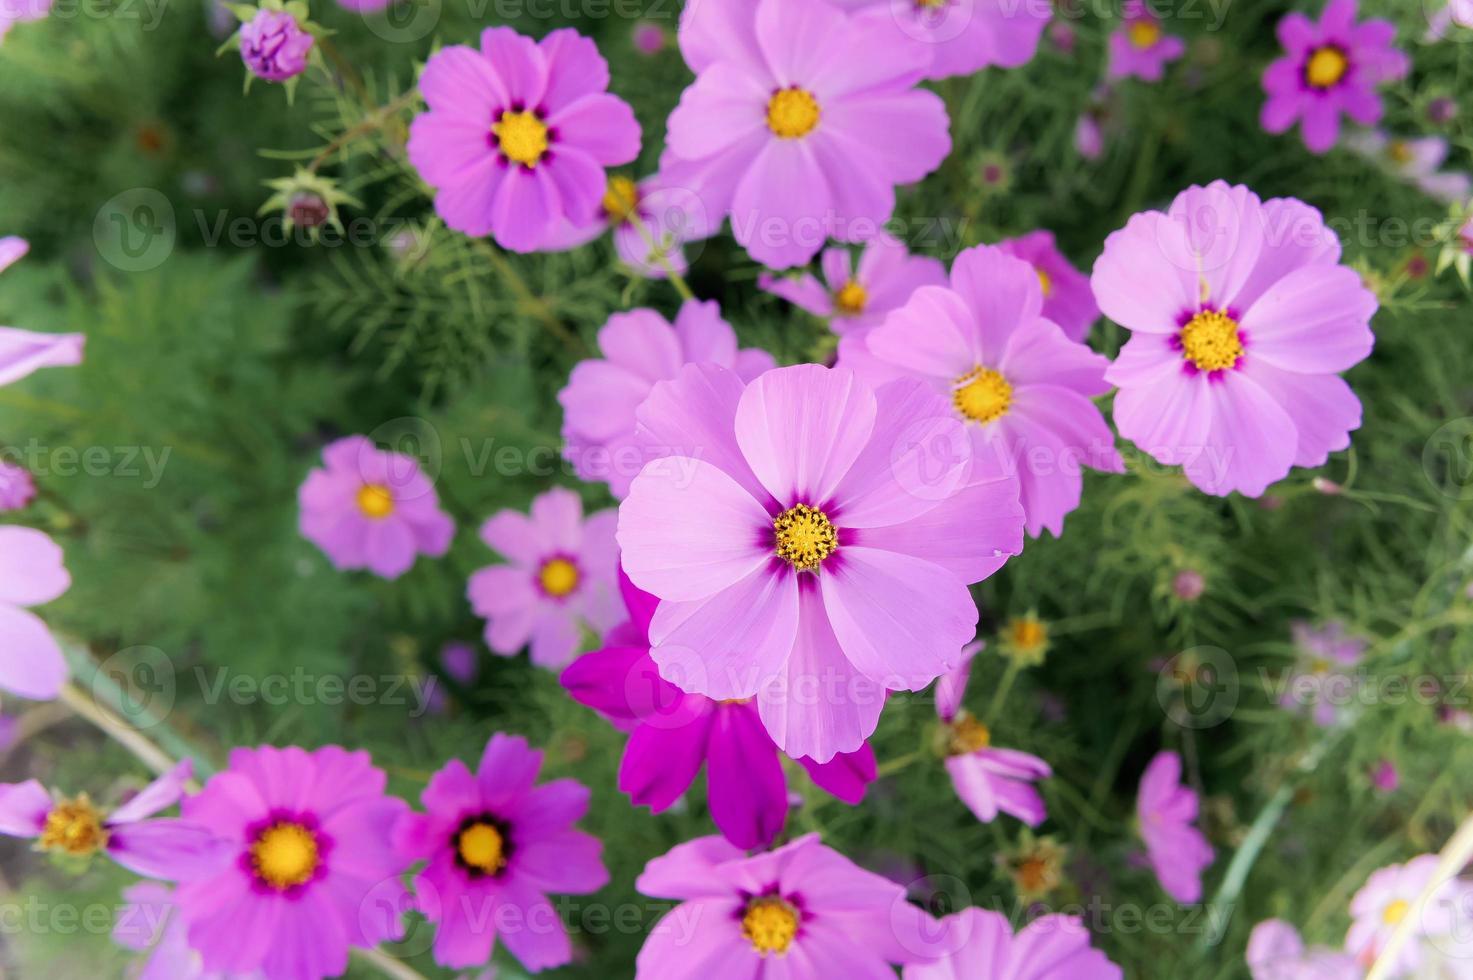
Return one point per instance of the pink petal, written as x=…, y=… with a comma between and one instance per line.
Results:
x=574, y=68
x=518, y=62
x=1002, y=292
x=746, y=790
x=933, y=334
x=1316, y=319
x=801, y=428
x=31, y=662
x=23, y=808
x=157, y=795
x=661, y=762
x=22, y=352
x=31, y=569
x=600, y=125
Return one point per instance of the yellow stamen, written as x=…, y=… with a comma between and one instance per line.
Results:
x=1144, y=33
x=1210, y=341
x=620, y=199
x=770, y=925
x=1327, y=66
x=851, y=299
x=804, y=536
x=1044, y=281
x=521, y=136
x=284, y=855
x=1026, y=639
x=967, y=735
x=982, y=395
x=481, y=847
x=1396, y=911
x=74, y=827
x=375, y=501
x=792, y=113
x=558, y=577
x=1399, y=152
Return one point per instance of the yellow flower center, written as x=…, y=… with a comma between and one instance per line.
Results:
x=851, y=299
x=1045, y=282
x=284, y=855
x=967, y=735
x=521, y=136
x=481, y=848
x=1327, y=66
x=558, y=577
x=1399, y=152
x=770, y=925
x=620, y=199
x=74, y=827
x=792, y=112
x=1028, y=636
x=1210, y=341
x=375, y=501
x=1144, y=33
x=982, y=395
x=1319, y=665
x=1396, y=911
x=804, y=536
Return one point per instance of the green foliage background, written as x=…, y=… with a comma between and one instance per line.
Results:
x=241, y=360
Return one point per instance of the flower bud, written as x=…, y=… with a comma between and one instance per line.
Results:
x=274, y=45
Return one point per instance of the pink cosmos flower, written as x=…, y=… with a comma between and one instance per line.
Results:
x=809, y=556
x=274, y=45
x=852, y=300
x=1018, y=384
x=161, y=847
x=1067, y=299
x=803, y=912
x=1388, y=897
x=553, y=129
x=17, y=487
x=493, y=844
x=671, y=216
x=14, y=12
x=800, y=123
x=31, y=574
x=1321, y=678
x=640, y=347
x=370, y=508
x=1275, y=952
x=671, y=734
x=313, y=870
x=1139, y=47
x=960, y=37
x=989, y=780
x=21, y=351
x=1416, y=161
x=980, y=945
x=149, y=922
x=1241, y=317
x=1165, y=811
x=1329, y=68
x=561, y=578
x=1457, y=13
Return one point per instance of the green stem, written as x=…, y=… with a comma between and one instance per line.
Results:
x=662, y=259
x=1001, y=695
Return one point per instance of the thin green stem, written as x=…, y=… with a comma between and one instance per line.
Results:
x=662, y=257
x=1001, y=694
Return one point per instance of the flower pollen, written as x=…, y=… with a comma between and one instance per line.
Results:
x=770, y=925
x=805, y=537
x=967, y=735
x=375, y=501
x=1210, y=341
x=982, y=395
x=285, y=855
x=1326, y=67
x=792, y=113
x=74, y=827
x=558, y=577
x=522, y=137
x=1045, y=281
x=1396, y=911
x=1144, y=33
x=620, y=199
x=480, y=847
x=850, y=300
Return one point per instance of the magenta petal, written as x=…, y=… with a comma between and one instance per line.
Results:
x=688, y=870
x=569, y=863
x=745, y=787
x=700, y=938
x=845, y=777
x=22, y=352
x=31, y=661
x=531, y=928
x=574, y=68
x=660, y=762
x=23, y=808
x=173, y=850
x=162, y=792
x=31, y=570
